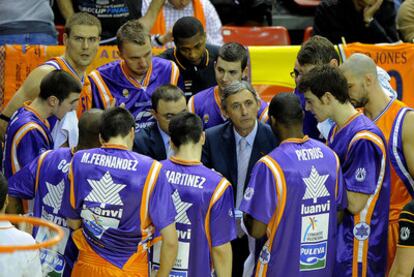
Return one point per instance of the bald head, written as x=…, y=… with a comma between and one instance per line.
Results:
x=360, y=72
x=359, y=65
x=89, y=124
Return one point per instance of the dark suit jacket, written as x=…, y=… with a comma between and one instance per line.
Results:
x=219, y=151
x=148, y=142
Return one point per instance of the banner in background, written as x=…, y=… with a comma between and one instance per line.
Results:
x=396, y=59
x=269, y=66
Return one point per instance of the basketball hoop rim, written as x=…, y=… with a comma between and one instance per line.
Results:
x=37, y=222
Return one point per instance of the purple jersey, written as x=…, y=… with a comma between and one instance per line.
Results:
x=27, y=137
x=296, y=191
x=362, y=238
x=117, y=193
x=111, y=82
x=44, y=180
x=206, y=104
x=395, y=151
x=204, y=203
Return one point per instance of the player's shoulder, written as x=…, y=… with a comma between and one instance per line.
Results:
x=409, y=208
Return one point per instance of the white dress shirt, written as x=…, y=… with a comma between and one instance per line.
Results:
x=213, y=23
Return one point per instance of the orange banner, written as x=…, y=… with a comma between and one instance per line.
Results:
x=20, y=60
x=396, y=59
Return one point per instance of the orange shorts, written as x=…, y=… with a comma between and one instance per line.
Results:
x=393, y=234
x=89, y=263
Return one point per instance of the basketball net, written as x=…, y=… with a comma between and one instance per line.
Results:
x=47, y=242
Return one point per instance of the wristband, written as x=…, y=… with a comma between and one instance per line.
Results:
x=4, y=117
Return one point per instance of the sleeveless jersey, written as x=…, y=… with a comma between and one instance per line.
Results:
x=296, y=190
x=27, y=137
x=362, y=238
x=390, y=122
x=111, y=82
x=204, y=203
x=44, y=180
x=206, y=104
x=117, y=194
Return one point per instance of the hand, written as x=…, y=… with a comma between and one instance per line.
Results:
x=114, y=104
x=3, y=128
x=370, y=10
x=166, y=37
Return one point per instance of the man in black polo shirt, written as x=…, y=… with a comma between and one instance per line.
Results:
x=194, y=58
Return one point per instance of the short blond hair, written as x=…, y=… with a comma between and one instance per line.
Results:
x=82, y=18
x=132, y=31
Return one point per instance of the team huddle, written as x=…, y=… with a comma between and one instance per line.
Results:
x=224, y=185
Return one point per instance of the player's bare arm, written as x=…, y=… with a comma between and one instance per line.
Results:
x=356, y=201
x=256, y=229
x=169, y=249
x=403, y=263
x=408, y=141
x=222, y=260
x=74, y=223
x=65, y=8
x=15, y=205
x=149, y=18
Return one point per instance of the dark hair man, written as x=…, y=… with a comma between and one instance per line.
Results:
x=286, y=187
x=361, y=149
x=154, y=141
x=194, y=57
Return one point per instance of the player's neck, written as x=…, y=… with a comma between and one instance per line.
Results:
x=377, y=104
x=138, y=78
x=285, y=133
x=41, y=108
x=343, y=113
x=121, y=141
x=80, y=70
x=189, y=152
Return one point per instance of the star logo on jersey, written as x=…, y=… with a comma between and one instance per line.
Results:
x=264, y=256
x=105, y=191
x=181, y=207
x=361, y=231
x=125, y=92
x=360, y=174
x=248, y=194
x=206, y=118
x=404, y=233
x=315, y=186
x=54, y=196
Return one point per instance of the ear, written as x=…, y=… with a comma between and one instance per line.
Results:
x=334, y=63
x=203, y=138
x=223, y=112
x=327, y=98
x=65, y=39
x=53, y=101
x=132, y=133
x=245, y=73
x=369, y=79
x=153, y=112
x=172, y=145
x=101, y=141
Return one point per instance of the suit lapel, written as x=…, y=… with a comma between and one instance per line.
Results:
x=230, y=153
x=158, y=143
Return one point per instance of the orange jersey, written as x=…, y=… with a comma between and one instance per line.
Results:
x=396, y=59
x=390, y=122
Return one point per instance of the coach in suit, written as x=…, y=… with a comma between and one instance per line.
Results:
x=154, y=141
x=234, y=147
